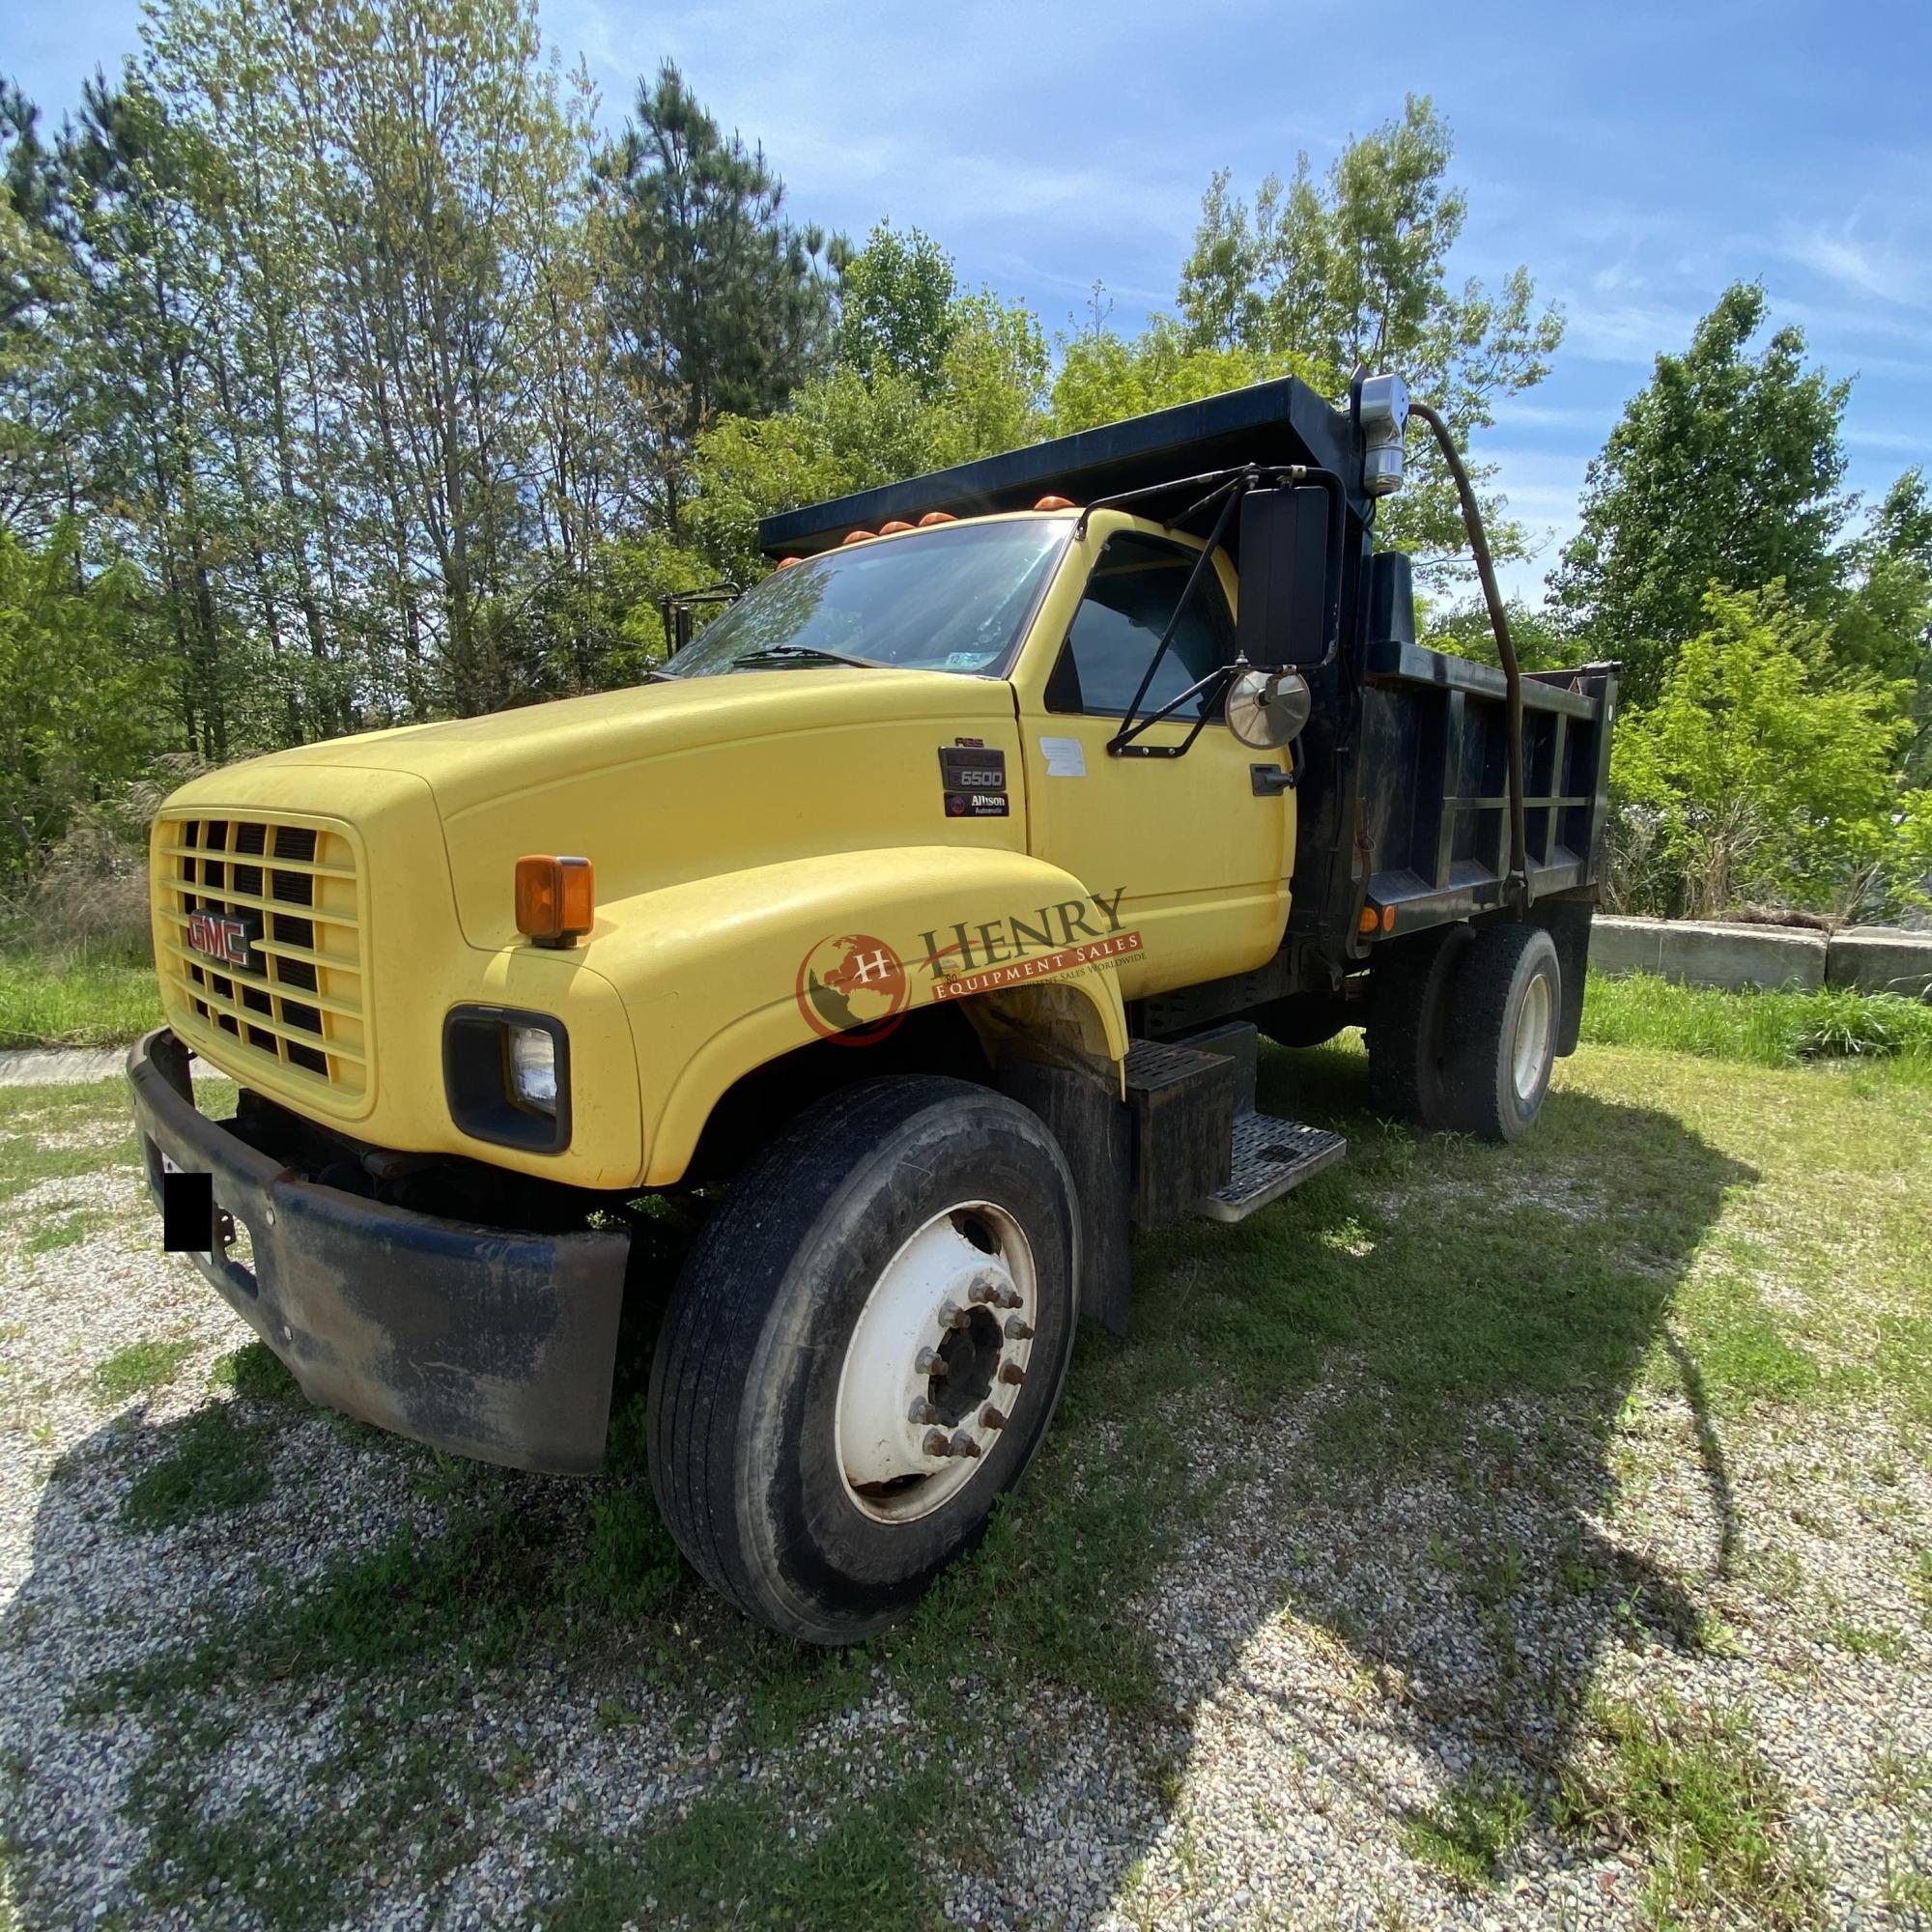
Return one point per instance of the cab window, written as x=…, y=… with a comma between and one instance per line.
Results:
x=1129, y=599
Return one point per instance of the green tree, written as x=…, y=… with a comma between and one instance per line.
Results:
x=37, y=289
x=1884, y=623
x=718, y=306
x=1759, y=772
x=1543, y=640
x=845, y=431
x=1352, y=272
x=1105, y=376
x=76, y=692
x=897, y=309
x=1724, y=469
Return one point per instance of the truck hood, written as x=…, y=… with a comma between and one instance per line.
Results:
x=676, y=780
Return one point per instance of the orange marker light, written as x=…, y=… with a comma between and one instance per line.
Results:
x=931, y=517
x=1053, y=503
x=556, y=900
x=893, y=529
x=1369, y=920
x=786, y=562
x=861, y=536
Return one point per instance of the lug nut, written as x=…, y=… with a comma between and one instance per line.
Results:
x=1012, y=1371
x=951, y=1315
x=992, y=1418
x=983, y=1291
x=1017, y=1330
x=922, y=1411
x=1009, y=1297
x=936, y=1443
x=964, y=1445
x=931, y=1364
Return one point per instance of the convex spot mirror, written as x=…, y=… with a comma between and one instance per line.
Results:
x=1284, y=568
x=1268, y=709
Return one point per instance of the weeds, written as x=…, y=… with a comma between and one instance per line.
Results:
x=1688, y=1787
x=139, y=1367
x=1469, y=1834
x=216, y=1466
x=1767, y=1029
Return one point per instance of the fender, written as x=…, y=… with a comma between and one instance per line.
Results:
x=710, y=970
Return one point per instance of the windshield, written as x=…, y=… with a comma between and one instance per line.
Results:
x=955, y=598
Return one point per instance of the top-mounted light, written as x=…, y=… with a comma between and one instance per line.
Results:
x=1384, y=414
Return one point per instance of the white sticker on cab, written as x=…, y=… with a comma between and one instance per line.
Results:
x=1065, y=757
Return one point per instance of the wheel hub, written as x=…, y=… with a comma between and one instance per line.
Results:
x=936, y=1361
x=1534, y=1024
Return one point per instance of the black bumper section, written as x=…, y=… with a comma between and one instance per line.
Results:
x=487, y=1343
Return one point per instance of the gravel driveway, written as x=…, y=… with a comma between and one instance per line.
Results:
x=1341, y=1624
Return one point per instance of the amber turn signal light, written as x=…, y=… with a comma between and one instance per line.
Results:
x=557, y=902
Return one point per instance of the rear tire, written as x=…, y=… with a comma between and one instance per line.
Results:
x=1410, y=990
x=917, y=1218
x=1508, y=1014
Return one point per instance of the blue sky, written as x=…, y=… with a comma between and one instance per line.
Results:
x=1634, y=158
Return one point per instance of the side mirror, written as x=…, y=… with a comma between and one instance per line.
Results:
x=1284, y=558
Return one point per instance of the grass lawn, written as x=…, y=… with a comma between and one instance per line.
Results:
x=74, y=1002
x=1613, y=1419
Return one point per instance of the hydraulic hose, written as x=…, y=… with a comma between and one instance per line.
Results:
x=1479, y=547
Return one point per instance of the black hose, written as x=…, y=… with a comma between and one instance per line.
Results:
x=1479, y=546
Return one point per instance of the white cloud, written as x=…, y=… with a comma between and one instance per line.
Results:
x=1862, y=265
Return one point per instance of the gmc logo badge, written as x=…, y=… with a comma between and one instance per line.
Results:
x=222, y=937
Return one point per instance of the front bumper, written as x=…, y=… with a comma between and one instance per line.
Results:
x=485, y=1342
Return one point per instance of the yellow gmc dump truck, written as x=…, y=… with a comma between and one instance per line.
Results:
x=915, y=925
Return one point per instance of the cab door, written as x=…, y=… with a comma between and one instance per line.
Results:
x=1198, y=847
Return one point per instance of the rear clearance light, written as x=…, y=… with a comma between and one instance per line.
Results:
x=1054, y=503
x=861, y=536
x=893, y=529
x=931, y=517
x=556, y=900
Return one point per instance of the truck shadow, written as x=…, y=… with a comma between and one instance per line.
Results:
x=1409, y=1555
x=1340, y=1517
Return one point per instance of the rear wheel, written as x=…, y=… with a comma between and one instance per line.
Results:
x=1411, y=991
x=862, y=1352
x=1508, y=1011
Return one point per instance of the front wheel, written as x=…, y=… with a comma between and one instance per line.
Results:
x=862, y=1352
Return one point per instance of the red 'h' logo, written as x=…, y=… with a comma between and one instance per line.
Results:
x=852, y=989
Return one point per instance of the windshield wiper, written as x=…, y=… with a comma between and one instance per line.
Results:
x=805, y=654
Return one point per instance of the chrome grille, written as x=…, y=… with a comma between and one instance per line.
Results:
x=288, y=893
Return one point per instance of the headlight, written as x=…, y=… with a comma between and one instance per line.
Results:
x=533, y=1067
x=506, y=1074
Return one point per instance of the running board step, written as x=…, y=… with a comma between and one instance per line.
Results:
x=1271, y=1156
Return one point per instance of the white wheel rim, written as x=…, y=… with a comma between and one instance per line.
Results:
x=935, y=1362
x=1532, y=1038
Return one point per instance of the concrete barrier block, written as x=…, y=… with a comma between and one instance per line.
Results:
x=1626, y=945
x=1879, y=959
x=1710, y=954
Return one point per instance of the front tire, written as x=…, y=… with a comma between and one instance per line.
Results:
x=893, y=1269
